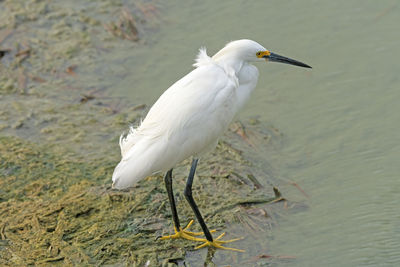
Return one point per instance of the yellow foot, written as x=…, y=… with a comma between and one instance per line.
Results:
x=184, y=233
x=218, y=243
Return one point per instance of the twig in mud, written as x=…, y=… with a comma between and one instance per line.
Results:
x=257, y=211
x=36, y=78
x=245, y=224
x=54, y=259
x=2, y=230
x=139, y=107
x=25, y=52
x=254, y=180
x=234, y=174
x=239, y=129
x=257, y=201
x=266, y=256
x=230, y=147
x=248, y=222
x=277, y=193
x=21, y=80
x=4, y=34
x=97, y=91
x=299, y=188
x=149, y=10
x=86, y=98
x=71, y=70
x=132, y=33
x=125, y=28
x=384, y=12
x=278, y=197
x=21, y=55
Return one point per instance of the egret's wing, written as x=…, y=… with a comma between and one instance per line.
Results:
x=202, y=101
x=197, y=95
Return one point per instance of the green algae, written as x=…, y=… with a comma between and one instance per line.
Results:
x=58, y=208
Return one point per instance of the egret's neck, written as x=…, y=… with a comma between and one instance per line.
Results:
x=231, y=65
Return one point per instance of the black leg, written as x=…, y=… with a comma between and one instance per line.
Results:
x=189, y=198
x=168, y=185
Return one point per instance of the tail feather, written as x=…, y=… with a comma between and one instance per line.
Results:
x=127, y=141
x=142, y=160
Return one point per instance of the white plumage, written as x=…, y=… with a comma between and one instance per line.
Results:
x=192, y=114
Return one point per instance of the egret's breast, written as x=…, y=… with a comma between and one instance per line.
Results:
x=248, y=77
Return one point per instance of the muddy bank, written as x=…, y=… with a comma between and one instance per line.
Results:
x=59, y=208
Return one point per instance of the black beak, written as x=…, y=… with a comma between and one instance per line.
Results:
x=277, y=58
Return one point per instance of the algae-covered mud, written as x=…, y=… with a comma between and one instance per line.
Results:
x=59, y=208
x=59, y=129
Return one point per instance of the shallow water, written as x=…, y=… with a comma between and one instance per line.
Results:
x=340, y=119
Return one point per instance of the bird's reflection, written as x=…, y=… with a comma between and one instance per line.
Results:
x=210, y=255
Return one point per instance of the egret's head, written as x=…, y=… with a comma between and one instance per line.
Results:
x=251, y=51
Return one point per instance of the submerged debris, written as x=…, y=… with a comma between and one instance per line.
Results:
x=125, y=27
x=86, y=98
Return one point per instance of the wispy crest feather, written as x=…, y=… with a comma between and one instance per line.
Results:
x=202, y=58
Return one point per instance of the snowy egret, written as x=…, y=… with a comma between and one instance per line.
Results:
x=188, y=119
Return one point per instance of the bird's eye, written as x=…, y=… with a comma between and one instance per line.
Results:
x=258, y=54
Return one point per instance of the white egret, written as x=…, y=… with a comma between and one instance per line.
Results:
x=188, y=119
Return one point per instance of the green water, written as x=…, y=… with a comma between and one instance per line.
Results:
x=340, y=120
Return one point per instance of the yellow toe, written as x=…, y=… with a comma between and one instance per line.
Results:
x=194, y=233
x=218, y=243
x=186, y=234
